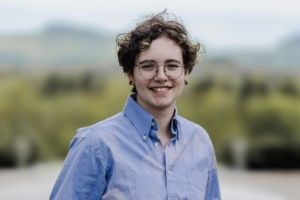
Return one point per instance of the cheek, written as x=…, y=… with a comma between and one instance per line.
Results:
x=136, y=74
x=139, y=82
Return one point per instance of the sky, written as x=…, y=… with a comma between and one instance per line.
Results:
x=218, y=24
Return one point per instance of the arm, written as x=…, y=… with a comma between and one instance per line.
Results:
x=83, y=173
x=213, y=188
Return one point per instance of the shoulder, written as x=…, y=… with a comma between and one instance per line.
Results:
x=100, y=130
x=191, y=129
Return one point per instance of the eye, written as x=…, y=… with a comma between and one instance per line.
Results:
x=173, y=66
x=147, y=66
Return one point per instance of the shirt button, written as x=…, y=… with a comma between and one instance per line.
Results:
x=152, y=124
x=156, y=144
x=144, y=137
x=169, y=172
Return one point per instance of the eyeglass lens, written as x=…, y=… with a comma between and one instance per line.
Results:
x=149, y=70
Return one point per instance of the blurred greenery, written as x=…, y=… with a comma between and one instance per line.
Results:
x=45, y=109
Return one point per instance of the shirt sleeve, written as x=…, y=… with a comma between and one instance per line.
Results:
x=83, y=173
x=213, y=188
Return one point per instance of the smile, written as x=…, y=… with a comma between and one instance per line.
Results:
x=160, y=89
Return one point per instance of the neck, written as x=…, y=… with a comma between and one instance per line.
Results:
x=163, y=119
x=164, y=128
x=162, y=116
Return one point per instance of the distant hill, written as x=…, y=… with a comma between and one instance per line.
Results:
x=285, y=56
x=58, y=46
x=292, y=42
x=61, y=45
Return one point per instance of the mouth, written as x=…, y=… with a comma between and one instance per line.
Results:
x=160, y=89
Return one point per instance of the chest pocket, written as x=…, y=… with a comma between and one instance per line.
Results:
x=197, y=183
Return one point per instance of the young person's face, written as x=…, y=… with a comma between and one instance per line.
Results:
x=159, y=92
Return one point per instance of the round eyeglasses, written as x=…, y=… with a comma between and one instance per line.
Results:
x=149, y=69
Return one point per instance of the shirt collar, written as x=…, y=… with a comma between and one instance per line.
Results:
x=139, y=117
x=142, y=120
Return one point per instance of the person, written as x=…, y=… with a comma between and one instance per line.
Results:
x=147, y=151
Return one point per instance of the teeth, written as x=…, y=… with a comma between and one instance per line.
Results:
x=160, y=89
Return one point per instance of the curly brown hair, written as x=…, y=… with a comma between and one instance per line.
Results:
x=152, y=27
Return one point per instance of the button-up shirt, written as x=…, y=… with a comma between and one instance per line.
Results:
x=122, y=158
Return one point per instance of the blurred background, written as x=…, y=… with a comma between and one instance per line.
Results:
x=59, y=72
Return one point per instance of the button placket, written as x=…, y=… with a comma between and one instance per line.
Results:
x=169, y=159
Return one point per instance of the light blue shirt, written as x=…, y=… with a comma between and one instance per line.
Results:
x=122, y=158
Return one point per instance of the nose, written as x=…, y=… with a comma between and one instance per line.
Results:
x=161, y=74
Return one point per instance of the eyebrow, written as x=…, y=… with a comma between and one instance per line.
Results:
x=168, y=60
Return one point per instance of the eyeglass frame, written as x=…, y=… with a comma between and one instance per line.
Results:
x=139, y=65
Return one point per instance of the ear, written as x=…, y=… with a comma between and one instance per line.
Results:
x=186, y=71
x=130, y=77
x=186, y=75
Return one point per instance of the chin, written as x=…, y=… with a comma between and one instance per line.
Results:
x=163, y=105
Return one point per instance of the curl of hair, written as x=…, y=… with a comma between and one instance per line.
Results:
x=152, y=27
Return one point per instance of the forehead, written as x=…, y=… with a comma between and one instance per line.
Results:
x=161, y=50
